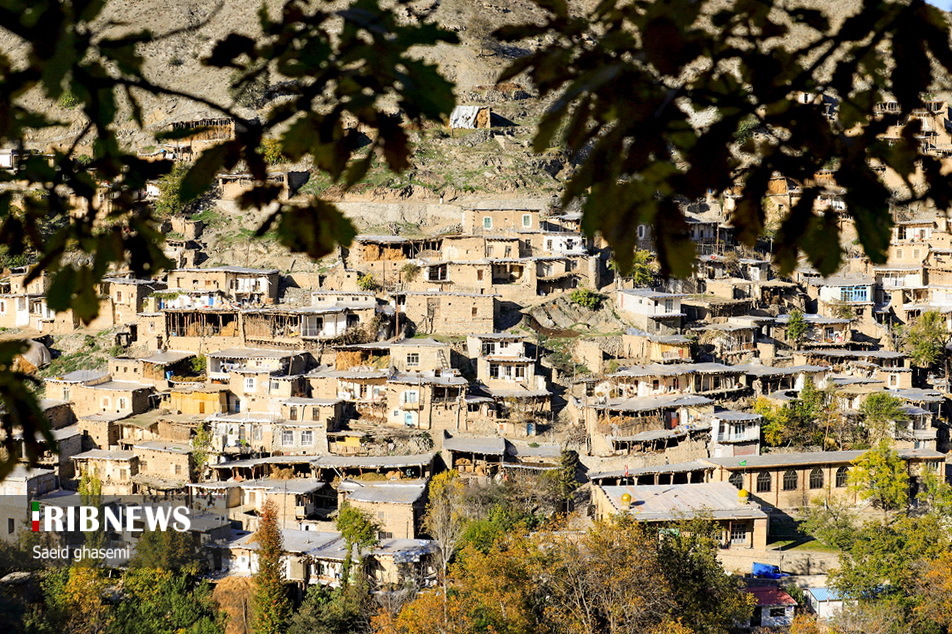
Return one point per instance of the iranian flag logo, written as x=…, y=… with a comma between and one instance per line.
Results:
x=35, y=525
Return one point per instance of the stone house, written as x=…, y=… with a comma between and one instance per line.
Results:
x=94, y=392
x=620, y=426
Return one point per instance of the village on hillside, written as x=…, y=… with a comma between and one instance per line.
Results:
x=499, y=342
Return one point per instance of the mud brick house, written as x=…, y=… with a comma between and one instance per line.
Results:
x=269, y=361
x=397, y=507
x=654, y=312
x=159, y=369
x=124, y=298
x=317, y=558
x=407, y=355
x=481, y=456
x=192, y=329
x=298, y=501
x=329, y=411
x=196, y=399
x=384, y=257
x=115, y=469
x=164, y=465
x=742, y=525
x=243, y=433
x=791, y=481
x=614, y=426
x=364, y=389
x=242, y=285
x=94, y=392
x=326, y=468
x=822, y=332
x=766, y=379
x=204, y=134
x=679, y=378
x=447, y=313
x=431, y=401
x=233, y=186
x=303, y=326
x=502, y=217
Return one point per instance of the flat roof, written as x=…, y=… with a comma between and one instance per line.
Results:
x=672, y=502
x=811, y=457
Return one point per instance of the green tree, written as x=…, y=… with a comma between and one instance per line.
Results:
x=797, y=327
x=165, y=602
x=925, y=338
x=359, y=532
x=170, y=203
x=880, y=475
x=166, y=551
x=201, y=448
x=445, y=519
x=271, y=608
x=707, y=599
x=343, y=610
x=586, y=298
x=881, y=412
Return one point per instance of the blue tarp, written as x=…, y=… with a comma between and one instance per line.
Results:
x=767, y=571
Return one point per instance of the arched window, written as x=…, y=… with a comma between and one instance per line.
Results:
x=816, y=478
x=737, y=479
x=763, y=482
x=790, y=480
x=842, y=474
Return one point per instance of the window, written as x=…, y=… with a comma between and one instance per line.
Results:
x=413, y=359
x=307, y=437
x=641, y=232
x=763, y=483
x=315, y=413
x=249, y=384
x=790, y=480
x=122, y=403
x=287, y=437
x=479, y=274
x=178, y=469
x=737, y=480
x=527, y=220
x=816, y=478
x=520, y=372
x=778, y=612
x=494, y=370
x=842, y=475
x=11, y=525
x=292, y=413
x=487, y=222
x=256, y=433
x=411, y=396
x=275, y=386
x=669, y=305
x=898, y=254
x=118, y=296
x=854, y=294
x=475, y=311
x=739, y=533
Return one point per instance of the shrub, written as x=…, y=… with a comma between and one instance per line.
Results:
x=587, y=298
x=366, y=282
